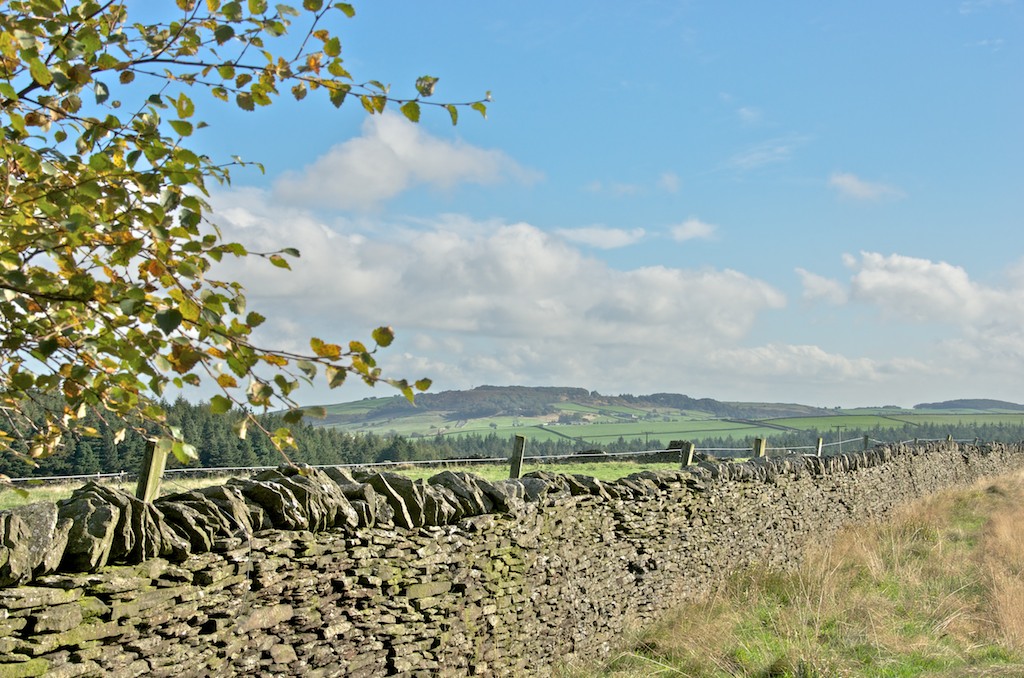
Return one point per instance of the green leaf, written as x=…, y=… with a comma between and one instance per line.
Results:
x=102, y=91
x=168, y=320
x=335, y=376
x=39, y=72
x=383, y=336
x=312, y=5
x=279, y=261
x=423, y=384
x=223, y=33
x=257, y=6
x=348, y=9
x=182, y=127
x=480, y=108
x=453, y=111
x=184, y=106
x=332, y=47
x=411, y=110
x=244, y=101
x=425, y=85
x=220, y=404
x=184, y=452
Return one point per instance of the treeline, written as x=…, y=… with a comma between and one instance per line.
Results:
x=219, y=447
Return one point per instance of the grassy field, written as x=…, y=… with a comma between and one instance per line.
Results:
x=935, y=591
x=602, y=425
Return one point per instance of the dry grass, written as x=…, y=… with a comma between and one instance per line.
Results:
x=938, y=590
x=32, y=492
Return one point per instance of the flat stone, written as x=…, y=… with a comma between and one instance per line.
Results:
x=30, y=541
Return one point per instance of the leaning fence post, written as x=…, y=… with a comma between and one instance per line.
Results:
x=686, y=454
x=821, y=444
x=153, y=461
x=516, y=468
x=760, y=445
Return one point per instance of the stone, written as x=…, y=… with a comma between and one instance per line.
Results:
x=57, y=618
x=30, y=541
x=266, y=617
x=467, y=490
x=320, y=496
x=242, y=518
x=91, y=537
x=284, y=510
x=404, y=496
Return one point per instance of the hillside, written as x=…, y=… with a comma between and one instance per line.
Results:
x=550, y=401
x=974, y=404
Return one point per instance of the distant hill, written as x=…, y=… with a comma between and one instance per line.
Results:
x=972, y=404
x=536, y=401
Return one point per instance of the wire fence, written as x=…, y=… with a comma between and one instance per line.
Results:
x=735, y=452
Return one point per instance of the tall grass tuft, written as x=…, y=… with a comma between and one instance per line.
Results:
x=936, y=590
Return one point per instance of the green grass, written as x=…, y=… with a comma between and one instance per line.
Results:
x=935, y=591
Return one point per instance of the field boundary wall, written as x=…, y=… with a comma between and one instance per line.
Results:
x=325, y=572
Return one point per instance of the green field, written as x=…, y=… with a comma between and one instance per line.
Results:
x=598, y=422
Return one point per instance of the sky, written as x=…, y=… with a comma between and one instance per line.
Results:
x=792, y=202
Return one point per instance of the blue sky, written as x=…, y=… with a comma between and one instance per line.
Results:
x=804, y=202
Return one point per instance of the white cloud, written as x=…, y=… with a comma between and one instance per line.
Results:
x=602, y=237
x=506, y=303
x=615, y=189
x=851, y=186
x=749, y=115
x=972, y=6
x=987, y=321
x=925, y=291
x=693, y=229
x=490, y=303
x=768, y=152
x=818, y=287
x=390, y=156
x=669, y=182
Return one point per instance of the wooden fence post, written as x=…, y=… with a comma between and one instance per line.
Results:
x=867, y=443
x=760, y=445
x=153, y=462
x=516, y=468
x=821, y=444
x=686, y=455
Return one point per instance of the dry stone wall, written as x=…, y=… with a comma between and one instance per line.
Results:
x=326, y=573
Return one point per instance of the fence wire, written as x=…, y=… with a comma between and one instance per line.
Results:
x=126, y=476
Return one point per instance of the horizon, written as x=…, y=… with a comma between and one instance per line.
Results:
x=688, y=395
x=786, y=203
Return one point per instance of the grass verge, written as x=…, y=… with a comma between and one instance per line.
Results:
x=938, y=590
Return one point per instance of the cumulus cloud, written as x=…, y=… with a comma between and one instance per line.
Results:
x=851, y=186
x=976, y=330
x=818, y=287
x=390, y=156
x=505, y=302
x=693, y=229
x=602, y=237
x=490, y=302
x=926, y=291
